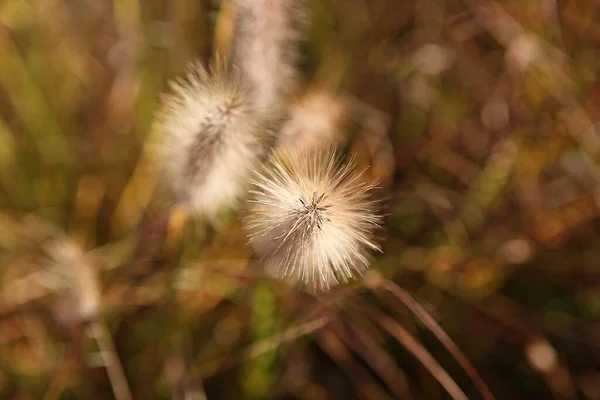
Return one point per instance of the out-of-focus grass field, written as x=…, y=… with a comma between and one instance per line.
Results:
x=478, y=118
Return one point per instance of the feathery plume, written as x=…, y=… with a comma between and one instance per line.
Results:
x=311, y=220
x=266, y=49
x=211, y=139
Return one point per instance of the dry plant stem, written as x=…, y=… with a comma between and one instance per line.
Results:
x=413, y=345
x=60, y=379
x=509, y=315
x=17, y=294
x=116, y=375
x=366, y=386
x=373, y=354
x=149, y=234
x=254, y=350
x=30, y=103
x=287, y=336
x=437, y=330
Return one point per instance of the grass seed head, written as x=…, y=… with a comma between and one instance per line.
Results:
x=211, y=139
x=312, y=219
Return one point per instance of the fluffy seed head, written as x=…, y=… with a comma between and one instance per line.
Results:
x=312, y=219
x=211, y=140
x=266, y=48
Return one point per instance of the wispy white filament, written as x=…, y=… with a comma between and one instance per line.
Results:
x=312, y=219
x=211, y=139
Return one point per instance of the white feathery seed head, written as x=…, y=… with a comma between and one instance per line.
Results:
x=311, y=220
x=210, y=139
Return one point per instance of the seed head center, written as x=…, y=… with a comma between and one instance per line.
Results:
x=313, y=212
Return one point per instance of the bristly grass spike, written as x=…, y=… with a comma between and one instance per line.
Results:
x=312, y=219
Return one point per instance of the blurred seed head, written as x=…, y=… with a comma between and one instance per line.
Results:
x=433, y=59
x=211, y=139
x=541, y=355
x=516, y=251
x=72, y=270
x=312, y=219
x=266, y=50
x=315, y=122
x=523, y=51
